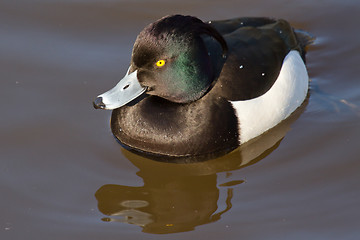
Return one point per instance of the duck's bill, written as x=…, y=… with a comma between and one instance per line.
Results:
x=124, y=92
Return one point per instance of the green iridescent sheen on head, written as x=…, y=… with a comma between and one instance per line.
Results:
x=187, y=73
x=190, y=74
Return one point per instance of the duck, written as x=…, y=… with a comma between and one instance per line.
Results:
x=196, y=88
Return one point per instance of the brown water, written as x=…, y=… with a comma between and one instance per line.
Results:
x=63, y=176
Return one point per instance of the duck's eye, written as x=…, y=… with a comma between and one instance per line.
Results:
x=160, y=63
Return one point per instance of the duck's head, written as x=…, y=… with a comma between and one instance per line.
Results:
x=171, y=60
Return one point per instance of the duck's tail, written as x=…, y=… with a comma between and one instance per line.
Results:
x=305, y=39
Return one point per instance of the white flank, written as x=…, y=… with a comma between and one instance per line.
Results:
x=288, y=92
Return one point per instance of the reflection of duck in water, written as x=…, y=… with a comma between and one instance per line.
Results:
x=165, y=204
x=179, y=197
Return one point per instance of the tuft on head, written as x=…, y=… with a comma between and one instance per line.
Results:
x=175, y=29
x=184, y=27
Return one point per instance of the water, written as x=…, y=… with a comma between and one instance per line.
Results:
x=63, y=176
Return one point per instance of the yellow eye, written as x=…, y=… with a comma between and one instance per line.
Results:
x=160, y=63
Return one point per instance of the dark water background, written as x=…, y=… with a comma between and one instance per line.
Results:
x=63, y=176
